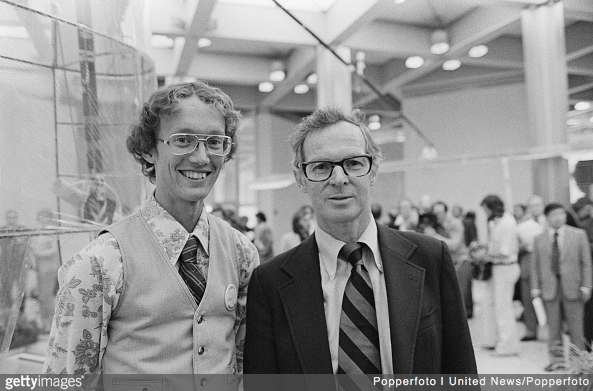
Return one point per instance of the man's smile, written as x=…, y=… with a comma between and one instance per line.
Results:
x=195, y=175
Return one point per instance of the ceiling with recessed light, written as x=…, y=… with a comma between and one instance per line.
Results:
x=246, y=37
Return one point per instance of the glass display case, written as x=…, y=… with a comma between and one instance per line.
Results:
x=73, y=74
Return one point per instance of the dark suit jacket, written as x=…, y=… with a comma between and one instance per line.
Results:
x=286, y=327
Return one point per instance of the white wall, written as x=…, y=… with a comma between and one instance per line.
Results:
x=471, y=122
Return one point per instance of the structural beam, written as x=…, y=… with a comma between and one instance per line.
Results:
x=299, y=64
x=342, y=20
x=198, y=26
x=229, y=68
x=263, y=24
x=578, y=9
x=479, y=26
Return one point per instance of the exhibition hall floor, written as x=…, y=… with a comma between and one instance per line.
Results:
x=531, y=360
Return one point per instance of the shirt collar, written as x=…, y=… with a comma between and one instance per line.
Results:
x=170, y=233
x=329, y=247
x=560, y=230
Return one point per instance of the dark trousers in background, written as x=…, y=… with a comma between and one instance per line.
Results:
x=529, y=317
x=464, y=275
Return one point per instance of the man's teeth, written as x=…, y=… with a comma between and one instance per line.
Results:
x=194, y=175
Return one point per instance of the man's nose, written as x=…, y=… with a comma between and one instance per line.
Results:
x=200, y=154
x=338, y=176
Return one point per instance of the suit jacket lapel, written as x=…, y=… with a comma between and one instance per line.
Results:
x=404, y=283
x=567, y=245
x=302, y=298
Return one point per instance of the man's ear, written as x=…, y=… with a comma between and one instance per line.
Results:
x=300, y=179
x=374, y=170
x=150, y=157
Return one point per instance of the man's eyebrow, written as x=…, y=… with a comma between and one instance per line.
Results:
x=194, y=131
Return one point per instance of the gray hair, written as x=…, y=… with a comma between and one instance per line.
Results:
x=325, y=117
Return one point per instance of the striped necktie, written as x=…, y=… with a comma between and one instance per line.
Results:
x=359, y=338
x=189, y=271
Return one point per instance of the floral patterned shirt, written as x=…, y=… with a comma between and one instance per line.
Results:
x=91, y=283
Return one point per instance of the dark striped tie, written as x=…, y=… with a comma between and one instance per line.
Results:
x=359, y=338
x=188, y=268
x=556, y=256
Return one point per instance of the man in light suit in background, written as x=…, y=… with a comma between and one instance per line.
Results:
x=561, y=275
x=394, y=301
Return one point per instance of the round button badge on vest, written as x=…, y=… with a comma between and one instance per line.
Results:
x=230, y=297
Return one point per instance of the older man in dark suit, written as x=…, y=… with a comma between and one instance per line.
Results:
x=355, y=297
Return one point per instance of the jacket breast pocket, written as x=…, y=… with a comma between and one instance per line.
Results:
x=426, y=357
x=428, y=320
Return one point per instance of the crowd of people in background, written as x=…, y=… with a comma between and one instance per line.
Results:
x=509, y=242
x=519, y=244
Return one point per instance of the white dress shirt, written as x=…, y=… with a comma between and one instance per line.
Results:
x=560, y=231
x=334, y=277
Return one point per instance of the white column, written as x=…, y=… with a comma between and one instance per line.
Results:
x=334, y=86
x=544, y=52
x=264, y=131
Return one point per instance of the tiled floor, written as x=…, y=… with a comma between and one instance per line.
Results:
x=532, y=359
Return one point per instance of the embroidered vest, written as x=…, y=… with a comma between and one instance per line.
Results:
x=156, y=326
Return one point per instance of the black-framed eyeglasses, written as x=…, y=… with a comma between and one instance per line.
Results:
x=319, y=171
x=184, y=143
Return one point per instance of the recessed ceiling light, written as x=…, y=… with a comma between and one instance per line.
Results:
x=374, y=125
x=478, y=51
x=582, y=105
x=266, y=86
x=204, y=42
x=440, y=42
x=414, y=62
x=399, y=1
x=277, y=72
x=301, y=89
x=312, y=78
x=429, y=152
x=451, y=65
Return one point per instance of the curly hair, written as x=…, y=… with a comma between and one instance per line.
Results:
x=323, y=118
x=164, y=101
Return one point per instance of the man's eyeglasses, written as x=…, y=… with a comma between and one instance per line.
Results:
x=184, y=143
x=320, y=171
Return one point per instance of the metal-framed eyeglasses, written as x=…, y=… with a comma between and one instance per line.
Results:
x=319, y=171
x=184, y=143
